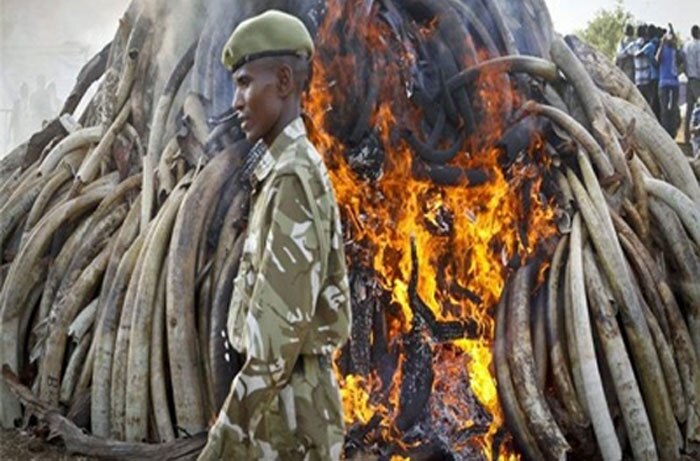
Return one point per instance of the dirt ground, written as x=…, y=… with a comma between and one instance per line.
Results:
x=19, y=445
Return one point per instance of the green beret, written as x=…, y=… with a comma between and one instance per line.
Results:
x=272, y=33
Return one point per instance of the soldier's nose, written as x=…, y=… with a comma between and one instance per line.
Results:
x=237, y=102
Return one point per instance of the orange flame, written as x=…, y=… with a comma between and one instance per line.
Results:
x=487, y=220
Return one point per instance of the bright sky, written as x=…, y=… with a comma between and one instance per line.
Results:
x=570, y=15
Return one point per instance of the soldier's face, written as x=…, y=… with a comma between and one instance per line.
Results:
x=256, y=100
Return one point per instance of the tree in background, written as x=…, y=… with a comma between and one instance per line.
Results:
x=606, y=29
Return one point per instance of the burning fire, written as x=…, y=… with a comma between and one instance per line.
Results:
x=465, y=236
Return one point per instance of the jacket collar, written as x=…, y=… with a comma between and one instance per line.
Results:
x=294, y=130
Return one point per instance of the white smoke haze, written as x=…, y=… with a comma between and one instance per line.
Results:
x=45, y=42
x=53, y=39
x=49, y=39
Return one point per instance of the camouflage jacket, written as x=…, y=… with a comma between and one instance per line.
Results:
x=291, y=294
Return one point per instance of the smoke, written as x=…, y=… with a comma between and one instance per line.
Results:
x=53, y=40
x=50, y=39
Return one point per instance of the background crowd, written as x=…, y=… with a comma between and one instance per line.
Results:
x=31, y=108
x=654, y=58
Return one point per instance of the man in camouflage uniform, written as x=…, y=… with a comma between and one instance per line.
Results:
x=290, y=307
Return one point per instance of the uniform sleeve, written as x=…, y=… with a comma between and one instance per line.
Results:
x=279, y=315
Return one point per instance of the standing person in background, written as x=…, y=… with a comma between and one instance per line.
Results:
x=626, y=61
x=39, y=104
x=20, y=118
x=52, y=100
x=694, y=117
x=666, y=57
x=691, y=58
x=642, y=64
x=649, y=50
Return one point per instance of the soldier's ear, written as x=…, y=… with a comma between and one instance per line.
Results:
x=285, y=80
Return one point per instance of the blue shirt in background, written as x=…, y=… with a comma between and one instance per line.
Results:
x=668, y=71
x=649, y=50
